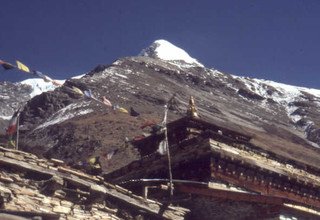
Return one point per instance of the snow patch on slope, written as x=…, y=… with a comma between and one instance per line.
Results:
x=283, y=94
x=39, y=86
x=70, y=111
x=76, y=77
x=289, y=89
x=5, y=117
x=164, y=50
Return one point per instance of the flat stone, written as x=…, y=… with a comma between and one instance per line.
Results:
x=105, y=208
x=45, y=209
x=14, y=156
x=46, y=200
x=57, y=162
x=16, y=178
x=98, y=188
x=33, y=163
x=31, y=156
x=66, y=203
x=25, y=191
x=6, y=179
x=44, y=165
x=83, y=216
x=59, y=194
x=29, y=207
x=62, y=209
x=78, y=211
x=55, y=201
x=72, y=218
x=5, y=190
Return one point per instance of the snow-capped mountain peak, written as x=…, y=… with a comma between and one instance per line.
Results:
x=162, y=49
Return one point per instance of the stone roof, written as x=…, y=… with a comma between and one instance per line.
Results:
x=31, y=187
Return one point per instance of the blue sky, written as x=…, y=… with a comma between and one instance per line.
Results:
x=275, y=39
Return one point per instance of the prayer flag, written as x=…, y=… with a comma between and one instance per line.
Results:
x=6, y=66
x=11, y=143
x=164, y=121
x=42, y=76
x=133, y=112
x=12, y=128
x=120, y=109
x=38, y=73
x=88, y=94
x=110, y=154
x=93, y=160
x=23, y=67
x=162, y=149
x=77, y=90
x=148, y=124
x=123, y=110
x=47, y=78
x=56, y=83
x=106, y=101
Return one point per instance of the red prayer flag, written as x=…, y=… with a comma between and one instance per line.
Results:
x=12, y=128
x=6, y=65
x=56, y=83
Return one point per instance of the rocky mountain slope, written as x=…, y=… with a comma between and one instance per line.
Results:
x=280, y=118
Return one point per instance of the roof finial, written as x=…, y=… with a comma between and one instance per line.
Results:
x=192, y=110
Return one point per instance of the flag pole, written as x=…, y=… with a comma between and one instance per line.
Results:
x=168, y=152
x=17, y=140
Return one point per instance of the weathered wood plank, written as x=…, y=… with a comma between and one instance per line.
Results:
x=268, y=189
x=231, y=195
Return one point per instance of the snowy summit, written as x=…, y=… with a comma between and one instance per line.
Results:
x=162, y=49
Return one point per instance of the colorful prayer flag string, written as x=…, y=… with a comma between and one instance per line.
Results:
x=22, y=67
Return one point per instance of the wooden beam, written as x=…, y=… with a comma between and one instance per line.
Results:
x=230, y=195
x=305, y=212
x=267, y=189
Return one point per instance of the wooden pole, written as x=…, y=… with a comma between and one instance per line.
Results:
x=170, y=171
x=168, y=152
x=17, y=140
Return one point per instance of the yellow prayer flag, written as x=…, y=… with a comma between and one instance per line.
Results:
x=77, y=90
x=22, y=67
x=123, y=110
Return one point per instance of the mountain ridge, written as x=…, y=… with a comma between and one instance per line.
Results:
x=74, y=128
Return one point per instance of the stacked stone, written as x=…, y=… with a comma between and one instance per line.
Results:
x=31, y=186
x=20, y=194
